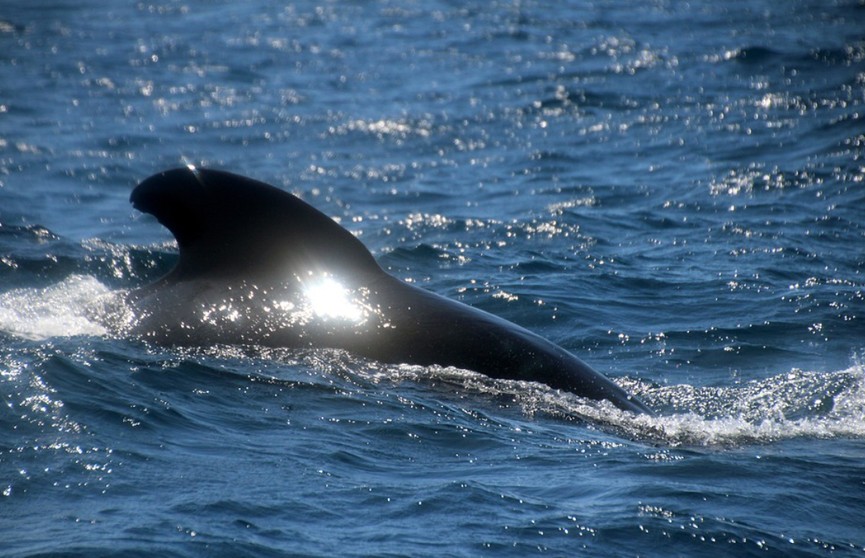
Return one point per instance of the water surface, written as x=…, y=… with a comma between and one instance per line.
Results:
x=673, y=192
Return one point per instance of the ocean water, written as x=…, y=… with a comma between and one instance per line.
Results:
x=673, y=191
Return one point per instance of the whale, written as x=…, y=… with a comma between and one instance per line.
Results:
x=259, y=266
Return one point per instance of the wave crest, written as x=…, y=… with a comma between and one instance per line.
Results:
x=66, y=309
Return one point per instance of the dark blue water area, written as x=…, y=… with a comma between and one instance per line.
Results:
x=675, y=192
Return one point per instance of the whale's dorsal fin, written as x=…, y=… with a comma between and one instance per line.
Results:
x=230, y=225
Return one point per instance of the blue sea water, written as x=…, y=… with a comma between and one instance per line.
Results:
x=673, y=191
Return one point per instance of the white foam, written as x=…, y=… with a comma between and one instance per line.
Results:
x=792, y=405
x=65, y=309
x=796, y=404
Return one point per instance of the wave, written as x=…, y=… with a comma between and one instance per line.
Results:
x=793, y=404
x=64, y=309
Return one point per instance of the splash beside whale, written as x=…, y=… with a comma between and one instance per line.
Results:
x=259, y=266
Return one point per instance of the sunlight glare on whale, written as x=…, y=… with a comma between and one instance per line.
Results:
x=235, y=233
x=328, y=298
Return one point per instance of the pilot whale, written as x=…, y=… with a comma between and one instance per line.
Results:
x=259, y=266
